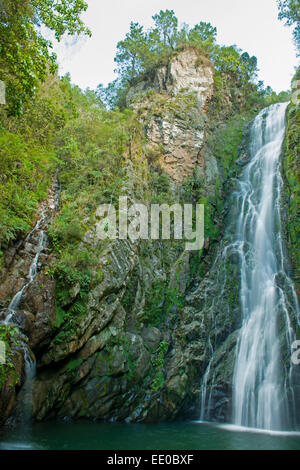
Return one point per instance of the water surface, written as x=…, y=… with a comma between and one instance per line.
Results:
x=85, y=435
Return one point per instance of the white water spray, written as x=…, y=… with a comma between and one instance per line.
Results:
x=15, y=303
x=260, y=383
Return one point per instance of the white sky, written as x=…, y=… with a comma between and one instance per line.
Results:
x=250, y=24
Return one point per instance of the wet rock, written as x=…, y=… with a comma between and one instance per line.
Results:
x=151, y=337
x=24, y=320
x=12, y=373
x=180, y=272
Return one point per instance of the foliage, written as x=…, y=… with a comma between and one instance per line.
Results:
x=131, y=52
x=289, y=10
x=25, y=55
x=24, y=180
x=9, y=336
x=160, y=187
x=271, y=97
x=166, y=28
x=141, y=51
x=291, y=167
x=226, y=141
x=160, y=302
x=158, y=364
x=74, y=364
x=235, y=64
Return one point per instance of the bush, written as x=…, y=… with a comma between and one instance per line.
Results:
x=26, y=170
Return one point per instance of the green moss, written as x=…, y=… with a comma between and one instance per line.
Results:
x=130, y=360
x=158, y=366
x=8, y=335
x=74, y=364
x=26, y=169
x=158, y=381
x=226, y=141
x=160, y=301
x=291, y=169
x=211, y=229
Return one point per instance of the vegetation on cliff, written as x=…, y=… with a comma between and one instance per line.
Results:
x=142, y=51
x=119, y=326
x=291, y=169
x=62, y=128
x=289, y=11
x=25, y=54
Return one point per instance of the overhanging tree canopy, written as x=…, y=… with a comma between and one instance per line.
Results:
x=25, y=55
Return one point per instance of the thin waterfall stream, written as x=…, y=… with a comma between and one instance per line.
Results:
x=38, y=239
x=262, y=388
x=33, y=269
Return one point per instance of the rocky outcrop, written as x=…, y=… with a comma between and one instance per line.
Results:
x=187, y=71
x=113, y=364
x=138, y=348
x=172, y=104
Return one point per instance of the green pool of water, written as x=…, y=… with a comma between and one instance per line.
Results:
x=172, y=436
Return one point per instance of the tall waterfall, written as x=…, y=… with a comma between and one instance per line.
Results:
x=261, y=376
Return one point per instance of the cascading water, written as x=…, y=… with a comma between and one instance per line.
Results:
x=250, y=376
x=25, y=396
x=14, y=304
x=37, y=238
x=261, y=380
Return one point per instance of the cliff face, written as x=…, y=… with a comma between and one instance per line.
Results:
x=134, y=344
x=127, y=356
x=172, y=104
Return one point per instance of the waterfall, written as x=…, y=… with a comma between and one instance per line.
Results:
x=204, y=388
x=37, y=237
x=14, y=304
x=261, y=377
x=25, y=395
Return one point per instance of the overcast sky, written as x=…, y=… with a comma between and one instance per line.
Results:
x=250, y=24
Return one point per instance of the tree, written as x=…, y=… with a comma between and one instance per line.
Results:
x=203, y=36
x=114, y=95
x=249, y=64
x=131, y=52
x=25, y=55
x=166, y=28
x=205, y=31
x=289, y=10
x=230, y=61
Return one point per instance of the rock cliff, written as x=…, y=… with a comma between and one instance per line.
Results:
x=133, y=344
x=172, y=103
